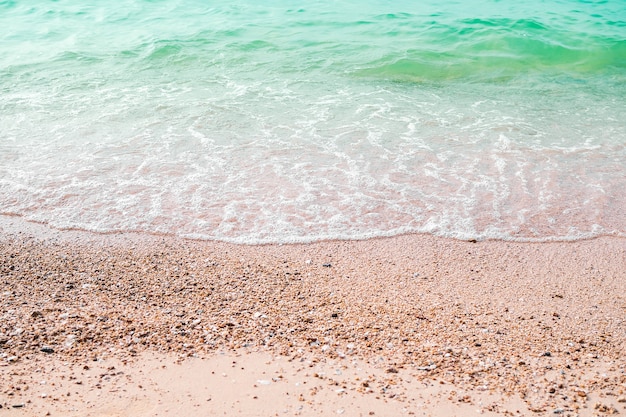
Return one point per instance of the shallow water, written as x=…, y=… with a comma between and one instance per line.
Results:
x=282, y=121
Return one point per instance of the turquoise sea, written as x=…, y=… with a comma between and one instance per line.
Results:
x=284, y=121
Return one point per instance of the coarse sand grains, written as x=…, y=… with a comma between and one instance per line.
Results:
x=94, y=324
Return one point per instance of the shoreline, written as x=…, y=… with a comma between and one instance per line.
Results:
x=15, y=223
x=541, y=327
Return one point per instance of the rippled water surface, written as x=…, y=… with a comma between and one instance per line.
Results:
x=285, y=121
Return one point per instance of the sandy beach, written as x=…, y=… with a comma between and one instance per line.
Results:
x=143, y=325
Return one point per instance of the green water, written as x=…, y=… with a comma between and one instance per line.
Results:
x=468, y=41
x=283, y=121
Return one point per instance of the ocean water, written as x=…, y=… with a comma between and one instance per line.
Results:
x=284, y=121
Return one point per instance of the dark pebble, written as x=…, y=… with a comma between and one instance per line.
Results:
x=327, y=265
x=47, y=349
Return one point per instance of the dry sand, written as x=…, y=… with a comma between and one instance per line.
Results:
x=138, y=325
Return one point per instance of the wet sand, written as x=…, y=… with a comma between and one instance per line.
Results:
x=418, y=325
